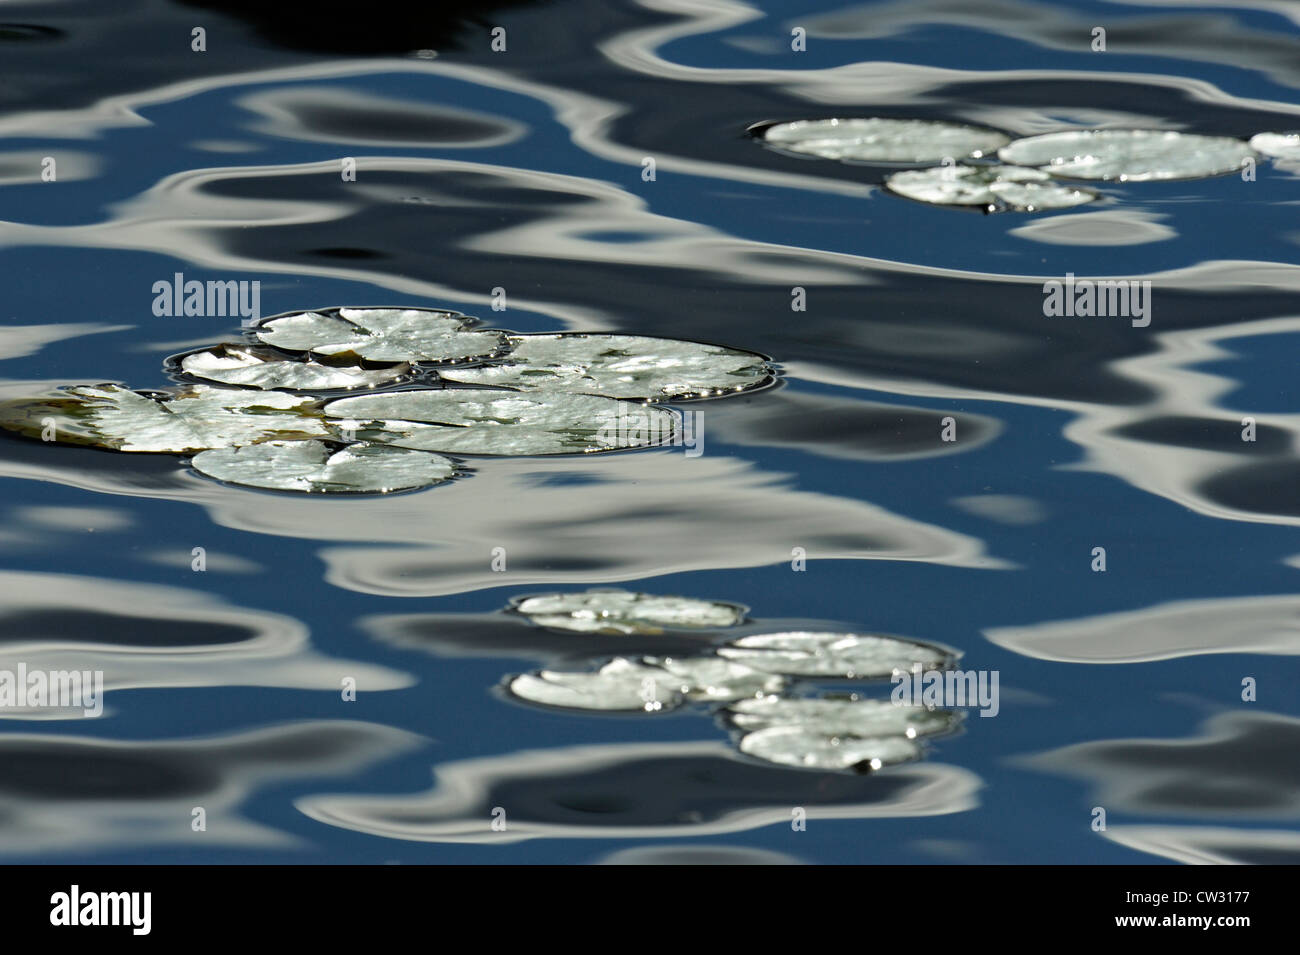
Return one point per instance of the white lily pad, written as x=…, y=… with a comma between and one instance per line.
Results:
x=314, y=466
x=715, y=679
x=194, y=419
x=884, y=140
x=384, y=335
x=266, y=369
x=1128, y=155
x=841, y=716
x=620, y=685
x=622, y=611
x=650, y=684
x=620, y=366
x=1277, y=145
x=993, y=188
x=458, y=421
x=808, y=749
x=843, y=655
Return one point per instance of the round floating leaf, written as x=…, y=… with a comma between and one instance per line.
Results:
x=620, y=366
x=994, y=188
x=621, y=611
x=884, y=140
x=194, y=419
x=269, y=370
x=715, y=679
x=619, y=685
x=845, y=655
x=1128, y=155
x=807, y=749
x=841, y=716
x=477, y=422
x=1277, y=145
x=650, y=684
x=313, y=466
x=383, y=334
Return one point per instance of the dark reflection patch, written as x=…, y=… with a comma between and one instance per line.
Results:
x=1207, y=434
x=668, y=791
x=339, y=26
x=1244, y=764
x=27, y=32
x=60, y=770
x=87, y=626
x=1269, y=487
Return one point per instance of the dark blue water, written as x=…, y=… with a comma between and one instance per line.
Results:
x=522, y=169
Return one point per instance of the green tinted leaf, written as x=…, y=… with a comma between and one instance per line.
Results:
x=620, y=366
x=313, y=466
x=884, y=140
x=844, y=655
x=621, y=611
x=458, y=421
x=992, y=188
x=263, y=368
x=383, y=334
x=1128, y=155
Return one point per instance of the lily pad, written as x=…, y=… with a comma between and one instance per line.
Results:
x=459, y=421
x=384, y=335
x=715, y=679
x=884, y=140
x=314, y=466
x=620, y=685
x=620, y=366
x=264, y=368
x=1277, y=145
x=625, y=612
x=808, y=749
x=841, y=716
x=993, y=188
x=843, y=655
x=650, y=684
x=796, y=746
x=1128, y=155
x=194, y=419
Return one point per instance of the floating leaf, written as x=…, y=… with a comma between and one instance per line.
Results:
x=715, y=679
x=1128, y=155
x=846, y=655
x=383, y=334
x=194, y=419
x=807, y=749
x=621, y=611
x=316, y=466
x=476, y=422
x=1277, y=145
x=994, y=188
x=620, y=366
x=263, y=368
x=650, y=684
x=884, y=140
x=620, y=684
x=841, y=716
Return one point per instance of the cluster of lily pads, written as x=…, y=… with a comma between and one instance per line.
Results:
x=1027, y=174
x=271, y=411
x=753, y=680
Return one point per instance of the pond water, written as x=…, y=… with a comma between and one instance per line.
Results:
x=597, y=174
